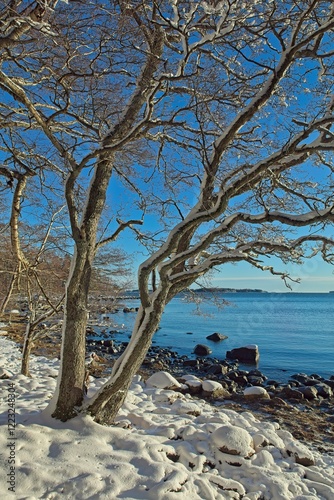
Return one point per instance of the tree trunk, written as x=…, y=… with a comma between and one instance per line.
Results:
x=109, y=399
x=8, y=293
x=72, y=370
x=27, y=346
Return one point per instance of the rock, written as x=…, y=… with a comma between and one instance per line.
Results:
x=190, y=362
x=309, y=392
x=214, y=389
x=302, y=455
x=202, y=350
x=162, y=380
x=256, y=393
x=194, y=384
x=246, y=354
x=233, y=440
x=330, y=382
x=324, y=390
x=255, y=380
x=217, y=369
x=216, y=337
x=4, y=374
x=289, y=393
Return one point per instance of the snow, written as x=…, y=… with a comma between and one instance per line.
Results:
x=256, y=391
x=165, y=446
x=162, y=380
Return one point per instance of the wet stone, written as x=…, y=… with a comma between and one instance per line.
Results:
x=202, y=350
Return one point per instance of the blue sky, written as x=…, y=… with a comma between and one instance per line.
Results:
x=316, y=275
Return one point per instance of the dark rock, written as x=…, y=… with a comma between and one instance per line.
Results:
x=202, y=350
x=272, y=383
x=304, y=379
x=247, y=354
x=217, y=369
x=257, y=373
x=216, y=337
x=148, y=361
x=255, y=380
x=190, y=362
x=324, y=390
x=330, y=382
x=309, y=392
x=289, y=393
x=108, y=343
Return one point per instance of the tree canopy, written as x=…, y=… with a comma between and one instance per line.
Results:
x=216, y=117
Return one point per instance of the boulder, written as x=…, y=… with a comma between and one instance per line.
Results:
x=324, y=390
x=212, y=389
x=217, y=369
x=233, y=440
x=246, y=354
x=301, y=453
x=162, y=380
x=4, y=374
x=202, y=350
x=190, y=362
x=252, y=393
x=193, y=383
x=216, y=337
x=309, y=392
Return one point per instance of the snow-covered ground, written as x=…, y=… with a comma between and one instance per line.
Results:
x=165, y=446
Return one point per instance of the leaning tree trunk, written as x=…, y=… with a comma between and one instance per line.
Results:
x=8, y=293
x=109, y=399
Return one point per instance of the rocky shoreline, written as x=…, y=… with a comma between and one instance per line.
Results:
x=304, y=404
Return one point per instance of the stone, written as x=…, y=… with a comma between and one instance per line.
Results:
x=255, y=392
x=301, y=453
x=329, y=382
x=4, y=374
x=324, y=390
x=292, y=393
x=212, y=389
x=246, y=354
x=162, y=380
x=190, y=362
x=233, y=441
x=202, y=350
x=216, y=337
x=309, y=392
x=217, y=369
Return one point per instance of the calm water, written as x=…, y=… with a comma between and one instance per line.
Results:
x=294, y=331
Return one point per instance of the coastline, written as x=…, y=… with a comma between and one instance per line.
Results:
x=309, y=420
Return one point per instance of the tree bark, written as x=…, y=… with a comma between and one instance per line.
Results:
x=110, y=397
x=72, y=370
x=27, y=346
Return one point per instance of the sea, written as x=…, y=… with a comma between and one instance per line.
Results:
x=294, y=332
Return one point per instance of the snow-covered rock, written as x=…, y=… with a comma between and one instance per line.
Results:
x=5, y=374
x=256, y=392
x=214, y=389
x=162, y=380
x=300, y=452
x=165, y=446
x=233, y=440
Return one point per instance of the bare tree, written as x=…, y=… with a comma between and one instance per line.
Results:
x=197, y=99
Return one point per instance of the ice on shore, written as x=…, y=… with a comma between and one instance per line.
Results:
x=164, y=446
